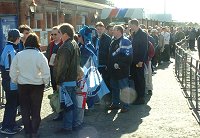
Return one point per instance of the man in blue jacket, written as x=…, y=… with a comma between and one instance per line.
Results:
x=140, y=47
x=120, y=59
x=9, y=125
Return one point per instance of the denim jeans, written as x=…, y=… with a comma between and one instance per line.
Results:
x=72, y=118
x=79, y=118
x=116, y=86
x=10, y=109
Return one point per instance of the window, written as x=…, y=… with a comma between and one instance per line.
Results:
x=68, y=18
x=54, y=19
x=49, y=20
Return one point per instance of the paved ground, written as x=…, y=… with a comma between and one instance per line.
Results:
x=166, y=115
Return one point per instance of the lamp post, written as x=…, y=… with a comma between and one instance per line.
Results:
x=96, y=16
x=32, y=11
x=32, y=7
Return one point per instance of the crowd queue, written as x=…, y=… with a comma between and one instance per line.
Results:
x=125, y=55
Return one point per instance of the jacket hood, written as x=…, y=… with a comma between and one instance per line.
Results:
x=86, y=33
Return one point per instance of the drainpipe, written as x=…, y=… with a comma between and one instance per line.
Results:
x=18, y=11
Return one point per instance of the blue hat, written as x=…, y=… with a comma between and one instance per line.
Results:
x=86, y=33
x=14, y=33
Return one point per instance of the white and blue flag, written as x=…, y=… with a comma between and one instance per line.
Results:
x=95, y=83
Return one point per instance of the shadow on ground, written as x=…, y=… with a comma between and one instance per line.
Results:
x=99, y=123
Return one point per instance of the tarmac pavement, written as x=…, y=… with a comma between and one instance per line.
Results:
x=165, y=115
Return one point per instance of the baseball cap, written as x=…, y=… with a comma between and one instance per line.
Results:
x=14, y=33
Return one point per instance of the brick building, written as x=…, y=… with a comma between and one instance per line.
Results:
x=42, y=15
x=48, y=13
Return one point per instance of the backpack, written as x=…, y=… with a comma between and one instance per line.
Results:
x=151, y=50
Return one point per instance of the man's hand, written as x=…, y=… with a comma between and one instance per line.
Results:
x=139, y=64
x=116, y=66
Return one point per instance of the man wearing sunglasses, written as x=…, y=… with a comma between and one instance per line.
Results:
x=50, y=54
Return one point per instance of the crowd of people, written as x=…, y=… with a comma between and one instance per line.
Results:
x=125, y=55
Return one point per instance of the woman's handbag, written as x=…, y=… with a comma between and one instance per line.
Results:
x=55, y=102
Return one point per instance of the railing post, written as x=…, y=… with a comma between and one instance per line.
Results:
x=191, y=79
x=185, y=71
x=196, y=84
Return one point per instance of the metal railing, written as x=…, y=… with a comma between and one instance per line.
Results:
x=187, y=70
x=2, y=95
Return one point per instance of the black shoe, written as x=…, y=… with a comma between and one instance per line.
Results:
x=149, y=92
x=139, y=101
x=124, y=110
x=77, y=128
x=113, y=107
x=58, y=118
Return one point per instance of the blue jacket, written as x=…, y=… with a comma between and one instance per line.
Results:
x=20, y=47
x=87, y=49
x=7, y=56
x=121, y=52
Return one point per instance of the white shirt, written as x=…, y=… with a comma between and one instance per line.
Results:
x=166, y=36
x=30, y=66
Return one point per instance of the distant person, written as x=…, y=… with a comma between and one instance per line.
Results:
x=9, y=125
x=160, y=46
x=198, y=33
x=192, y=38
x=166, y=53
x=120, y=59
x=148, y=64
x=25, y=30
x=140, y=46
x=86, y=45
x=198, y=45
x=179, y=35
x=30, y=82
x=154, y=34
x=66, y=66
x=127, y=32
x=172, y=41
x=51, y=52
x=109, y=30
x=103, y=55
x=88, y=49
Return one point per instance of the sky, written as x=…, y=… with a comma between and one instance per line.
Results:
x=181, y=10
